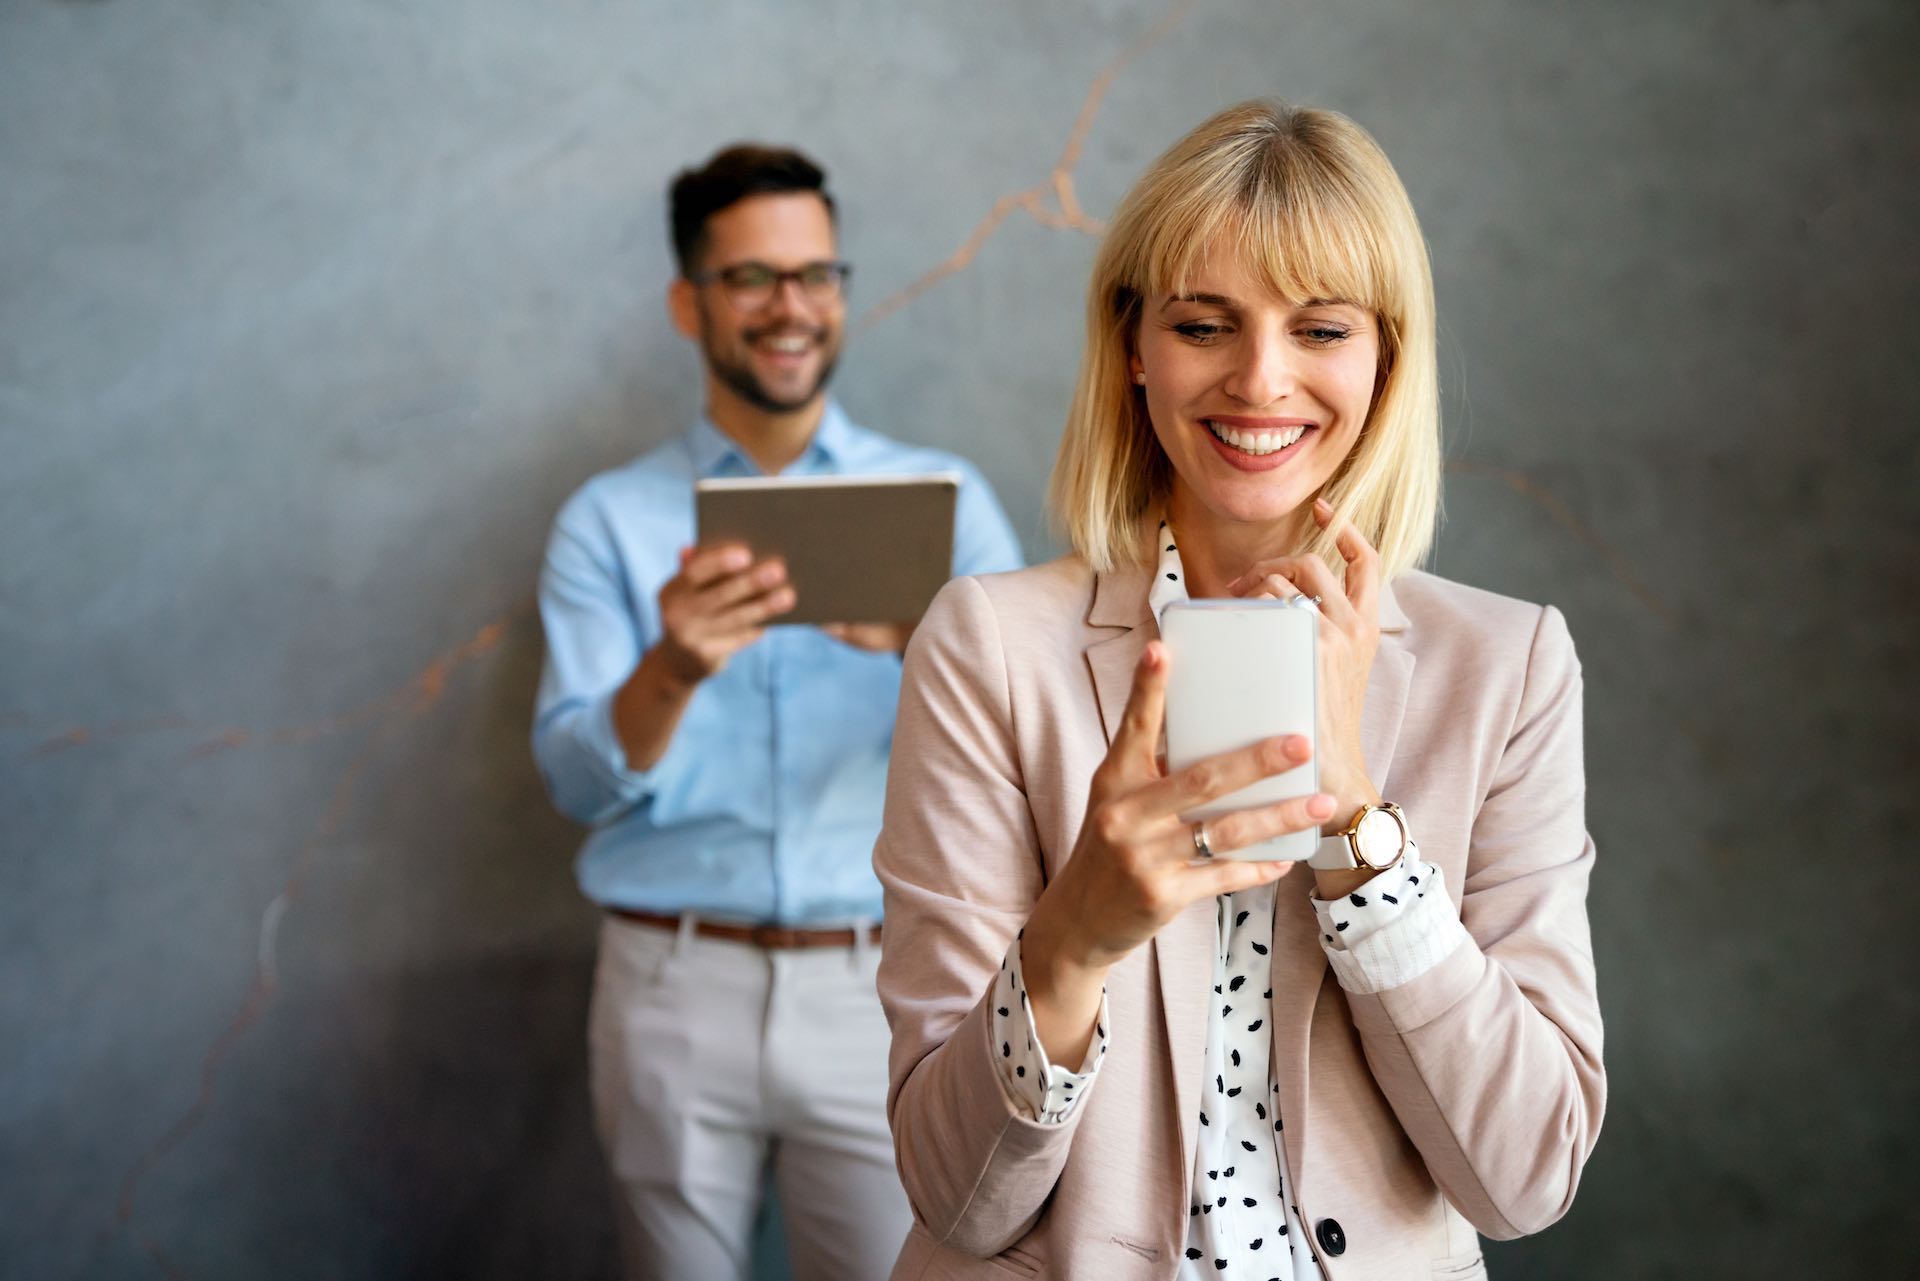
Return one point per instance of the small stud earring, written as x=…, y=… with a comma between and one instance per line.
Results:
x=1140, y=376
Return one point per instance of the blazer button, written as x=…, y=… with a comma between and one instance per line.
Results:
x=1327, y=1232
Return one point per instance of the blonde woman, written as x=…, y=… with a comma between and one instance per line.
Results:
x=1114, y=1056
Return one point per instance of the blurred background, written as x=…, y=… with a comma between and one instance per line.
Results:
x=312, y=314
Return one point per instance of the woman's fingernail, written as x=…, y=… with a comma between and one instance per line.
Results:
x=1321, y=806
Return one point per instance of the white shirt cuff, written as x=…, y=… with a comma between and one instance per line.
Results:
x=1046, y=1092
x=1391, y=930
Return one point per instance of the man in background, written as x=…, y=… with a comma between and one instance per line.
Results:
x=733, y=771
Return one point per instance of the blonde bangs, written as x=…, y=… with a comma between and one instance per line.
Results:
x=1299, y=225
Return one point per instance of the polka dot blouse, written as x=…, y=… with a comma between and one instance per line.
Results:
x=1241, y=1222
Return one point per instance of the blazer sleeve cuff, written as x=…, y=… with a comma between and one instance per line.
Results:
x=1397, y=1011
x=1012, y=1149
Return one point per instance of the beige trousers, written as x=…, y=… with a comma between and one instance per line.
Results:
x=711, y=1059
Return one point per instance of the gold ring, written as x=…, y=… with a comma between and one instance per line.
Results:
x=1200, y=839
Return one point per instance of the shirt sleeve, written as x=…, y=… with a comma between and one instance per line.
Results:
x=1045, y=1090
x=1392, y=929
x=983, y=539
x=593, y=645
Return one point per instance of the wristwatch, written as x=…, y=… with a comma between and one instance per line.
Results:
x=1374, y=841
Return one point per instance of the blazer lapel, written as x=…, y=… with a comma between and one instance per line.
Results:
x=1111, y=663
x=1182, y=952
x=1299, y=962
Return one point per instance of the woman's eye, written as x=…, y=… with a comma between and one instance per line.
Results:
x=1325, y=335
x=1200, y=330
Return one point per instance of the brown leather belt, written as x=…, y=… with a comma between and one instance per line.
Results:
x=777, y=937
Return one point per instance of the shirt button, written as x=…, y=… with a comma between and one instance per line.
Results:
x=1327, y=1232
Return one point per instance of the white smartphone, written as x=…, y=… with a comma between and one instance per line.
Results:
x=1240, y=671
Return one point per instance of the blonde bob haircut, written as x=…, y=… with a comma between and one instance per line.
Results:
x=1319, y=213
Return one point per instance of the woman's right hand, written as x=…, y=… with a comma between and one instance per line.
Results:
x=1134, y=867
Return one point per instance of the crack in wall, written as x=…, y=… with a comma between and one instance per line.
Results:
x=1066, y=213
x=84, y=735
x=215, y=740
x=1556, y=507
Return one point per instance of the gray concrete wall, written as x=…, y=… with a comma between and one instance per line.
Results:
x=311, y=314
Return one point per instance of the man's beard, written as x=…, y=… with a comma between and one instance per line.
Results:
x=740, y=378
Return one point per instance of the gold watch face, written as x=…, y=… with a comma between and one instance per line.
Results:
x=1378, y=839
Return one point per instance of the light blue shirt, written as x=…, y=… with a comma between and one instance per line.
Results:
x=767, y=801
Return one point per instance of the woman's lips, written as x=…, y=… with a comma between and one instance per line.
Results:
x=1257, y=444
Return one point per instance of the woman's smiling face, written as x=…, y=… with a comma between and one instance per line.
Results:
x=1256, y=399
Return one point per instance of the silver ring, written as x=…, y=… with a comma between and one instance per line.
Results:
x=1200, y=839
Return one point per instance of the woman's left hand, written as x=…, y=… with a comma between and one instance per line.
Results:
x=1349, y=636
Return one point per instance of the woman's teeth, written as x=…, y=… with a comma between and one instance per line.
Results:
x=1257, y=442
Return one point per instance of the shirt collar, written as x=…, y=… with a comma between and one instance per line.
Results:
x=1169, y=575
x=833, y=438
x=715, y=453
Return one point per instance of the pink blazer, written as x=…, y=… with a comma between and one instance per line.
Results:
x=1467, y=1098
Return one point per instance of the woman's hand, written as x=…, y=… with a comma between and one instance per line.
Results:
x=1135, y=866
x=1349, y=638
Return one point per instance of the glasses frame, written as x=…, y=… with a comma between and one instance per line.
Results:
x=843, y=272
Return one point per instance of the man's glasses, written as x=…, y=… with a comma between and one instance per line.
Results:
x=749, y=286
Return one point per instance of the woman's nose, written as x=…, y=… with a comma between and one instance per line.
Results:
x=1264, y=373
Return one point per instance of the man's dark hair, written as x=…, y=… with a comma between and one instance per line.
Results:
x=734, y=173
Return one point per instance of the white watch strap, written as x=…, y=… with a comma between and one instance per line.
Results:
x=1334, y=853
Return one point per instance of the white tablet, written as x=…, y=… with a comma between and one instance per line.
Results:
x=859, y=549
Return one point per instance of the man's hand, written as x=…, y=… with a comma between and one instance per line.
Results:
x=718, y=604
x=875, y=638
